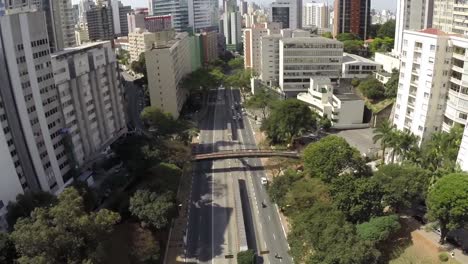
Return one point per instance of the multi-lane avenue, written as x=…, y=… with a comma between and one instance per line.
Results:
x=225, y=190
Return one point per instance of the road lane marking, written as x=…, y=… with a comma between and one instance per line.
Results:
x=274, y=237
x=269, y=218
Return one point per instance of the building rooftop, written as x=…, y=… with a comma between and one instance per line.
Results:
x=311, y=40
x=349, y=58
x=345, y=91
x=84, y=47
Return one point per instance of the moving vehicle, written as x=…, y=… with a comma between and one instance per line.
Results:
x=264, y=180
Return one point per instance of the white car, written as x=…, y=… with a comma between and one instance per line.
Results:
x=234, y=117
x=264, y=180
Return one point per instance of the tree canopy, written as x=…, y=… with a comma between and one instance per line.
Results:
x=281, y=185
x=381, y=44
x=264, y=99
x=26, y=203
x=402, y=185
x=391, y=87
x=329, y=157
x=288, y=119
x=246, y=257
x=152, y=208
x=447, y=202
x=378, y=229
x=387, y=29
x=64, y=233
x=372, y=88
x=8, y=253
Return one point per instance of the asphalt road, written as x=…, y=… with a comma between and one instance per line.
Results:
x=213, y=231
x=135, y=100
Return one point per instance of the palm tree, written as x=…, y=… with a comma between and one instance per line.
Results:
x=383, y=133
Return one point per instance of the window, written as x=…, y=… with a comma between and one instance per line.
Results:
x=433, y=47
x=463, y=116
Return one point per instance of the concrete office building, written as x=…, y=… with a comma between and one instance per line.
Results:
x=83, y=7
x=355, y=66
x=81, y=35
x=424, y=82
x=337, y=102
x=167, y=64
x=203, y=15
x=412, y=15
x=33, y=156
x=158, y=23
x=231, y=25
x=286, y=12
x=91, y=97
x=252, y=43
x=352, y=16
x=136, y=19
x=119, y=18
x=302, y=57
x=269, y=69
x=59, y=18
x=141, y=41
x=316, y=15
x=100, y=23
x=178, y=9
x=209, y=43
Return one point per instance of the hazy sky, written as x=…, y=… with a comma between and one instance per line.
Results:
x=376, y=4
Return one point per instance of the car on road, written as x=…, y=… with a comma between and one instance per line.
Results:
x=234, y=117
x=264, y=180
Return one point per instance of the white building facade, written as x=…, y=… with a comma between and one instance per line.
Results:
x=316, y=15
x=287, y=12
x=411, y=15
x=167, y=65
x=355, y=66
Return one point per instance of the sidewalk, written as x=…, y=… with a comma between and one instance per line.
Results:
x=434, y=238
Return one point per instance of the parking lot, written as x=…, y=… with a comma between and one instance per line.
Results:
x=360, y=139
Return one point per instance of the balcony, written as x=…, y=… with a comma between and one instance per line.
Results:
x=413, y=92
x=417, y=60
x=411, y=104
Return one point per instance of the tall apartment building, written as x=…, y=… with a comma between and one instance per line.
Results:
x=119, y=18
x=412, y=15
x=231, y=25
x=158, y=23
x=316, y=15
x=178, y=9
x=100, y=23
x=59, y=15
x=136, y=19
x=83, y=7
x=450, y=16
x=33, y=154
x=203, y=15
x=209, y=42
x=252, y=43
x=286, y=12
x=352, y=16
x=167, y=64
x=91, y=99
x=141, y=41
x=302, y=57
x=269, y=58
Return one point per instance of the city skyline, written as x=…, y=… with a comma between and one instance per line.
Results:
x=376, y=4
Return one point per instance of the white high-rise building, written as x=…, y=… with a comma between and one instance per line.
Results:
x=231, y=25
x=316, y=15
x=91, y=99
x=302, y=57
x=252, y=43
x=59, y=19
x=412, y=15
x=287, y=12
x=33, y=156
x=203, y=14
x=167, y=64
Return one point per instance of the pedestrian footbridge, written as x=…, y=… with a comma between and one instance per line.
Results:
x=245, y=153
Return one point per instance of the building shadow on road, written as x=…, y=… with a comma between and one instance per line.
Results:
x=248, y=215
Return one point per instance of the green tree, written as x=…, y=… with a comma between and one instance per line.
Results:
x=152, y=208
x=145, y=249
x=387, y=30
x=89, y=196
x=304, y=194
x=8, y=253
x=263, y=100
x=447, y=202
x=281, y=185
x=26, y=203
x=327, y=35
x=439, y=154
x=391, y=87
x=240, y=79
x=64, y=233
x=378, y=229
x=402, y=185
x=246, y=257
x=139, y=66
x=176, y=152
x=329, y=157
x=288, y=119
x=325, y=123
x=381, y=44
x=353, y=46
x=403, y=144
x=346, y=36
x=383, y=134
x=236, y=63
x=372, y=88
x=359, y=198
